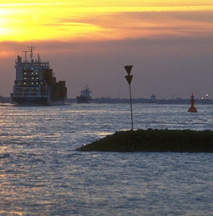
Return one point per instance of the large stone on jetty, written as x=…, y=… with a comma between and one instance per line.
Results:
x=154, y=141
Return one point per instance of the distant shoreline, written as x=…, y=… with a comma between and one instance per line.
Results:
x=154, y=141
x=134, y=100
x=145, y=100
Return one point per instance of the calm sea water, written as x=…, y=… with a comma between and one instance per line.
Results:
x=41, y=173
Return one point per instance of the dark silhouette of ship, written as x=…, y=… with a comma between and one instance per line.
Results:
x=85, y=96
x=35, y=83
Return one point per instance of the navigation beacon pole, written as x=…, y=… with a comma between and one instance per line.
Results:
x=129, y=77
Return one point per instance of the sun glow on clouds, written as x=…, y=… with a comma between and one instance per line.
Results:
x=92, y=20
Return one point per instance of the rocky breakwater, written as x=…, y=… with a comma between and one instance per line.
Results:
x=154, y=141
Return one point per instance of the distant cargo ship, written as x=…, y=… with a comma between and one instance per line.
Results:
x=85, y=96
x=152, y=99
x=35, y=83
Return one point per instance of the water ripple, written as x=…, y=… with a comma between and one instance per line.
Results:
x=42, y=174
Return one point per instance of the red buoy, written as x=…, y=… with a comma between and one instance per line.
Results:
x=192, y=108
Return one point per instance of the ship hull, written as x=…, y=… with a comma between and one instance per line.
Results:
x=82, y=99
x=26, y=101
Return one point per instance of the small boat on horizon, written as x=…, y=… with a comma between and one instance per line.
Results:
x=85, y=96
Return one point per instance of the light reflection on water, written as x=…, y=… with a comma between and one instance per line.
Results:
x=42, y=174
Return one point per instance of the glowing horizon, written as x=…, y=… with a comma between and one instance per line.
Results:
x=91, y=20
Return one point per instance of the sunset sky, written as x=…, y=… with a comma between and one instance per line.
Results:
x=169, y=43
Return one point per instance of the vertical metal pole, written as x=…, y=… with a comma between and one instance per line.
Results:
x=129, y=77
x=130, y=97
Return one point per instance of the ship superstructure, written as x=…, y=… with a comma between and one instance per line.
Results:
x=35, y=83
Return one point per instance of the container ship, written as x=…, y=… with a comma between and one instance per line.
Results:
x=35, y=83
x=85, y=96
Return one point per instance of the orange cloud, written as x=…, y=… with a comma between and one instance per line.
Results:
x=94, y=20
